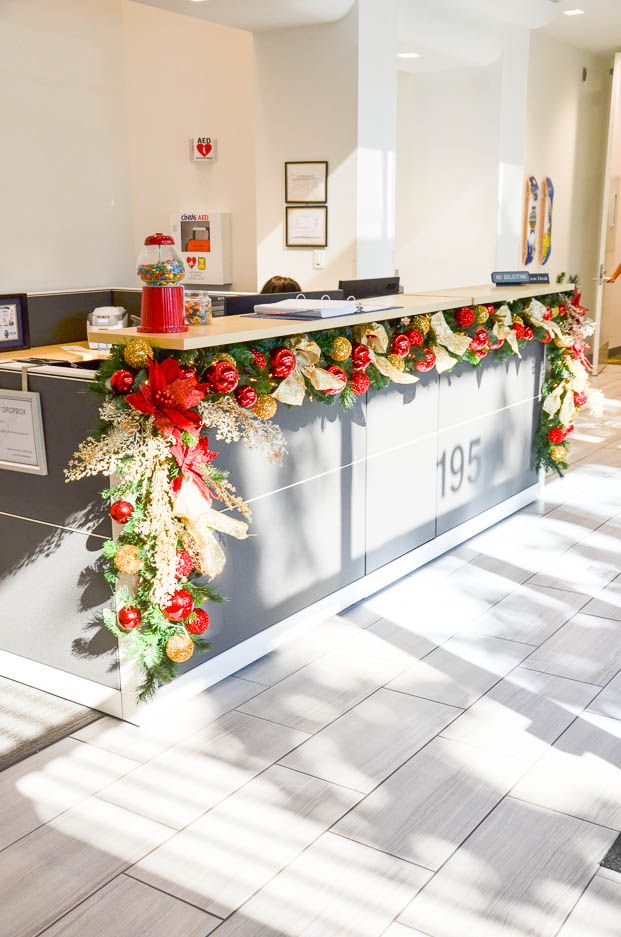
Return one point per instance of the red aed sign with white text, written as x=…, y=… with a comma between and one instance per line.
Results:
x=203, y=149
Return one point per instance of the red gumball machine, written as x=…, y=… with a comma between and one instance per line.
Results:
x=161, y=269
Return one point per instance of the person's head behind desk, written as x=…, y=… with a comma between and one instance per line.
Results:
x=281, y=285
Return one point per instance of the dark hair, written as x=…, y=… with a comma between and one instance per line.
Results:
x=281, y=285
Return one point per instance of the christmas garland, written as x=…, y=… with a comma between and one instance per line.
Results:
x=159, y=407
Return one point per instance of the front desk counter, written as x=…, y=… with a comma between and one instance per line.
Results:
x=363, y=497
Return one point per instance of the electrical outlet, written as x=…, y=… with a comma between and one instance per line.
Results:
x=319, y=260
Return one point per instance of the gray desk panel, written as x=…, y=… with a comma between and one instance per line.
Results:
x=69, y=411
x=402, y=413
x=51, y=595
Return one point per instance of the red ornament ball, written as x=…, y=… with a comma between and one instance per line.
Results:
x=360, y=357
x=464, y=317
x=528, y=333
x=186, y=372
x=337, y=372
x=547, y=314
x=562, y=310
x=128, y=618
x=427, y=361
x=359, y=382
x=497, y=344
x=557, y=436
x=121, y=511
x=547, y=338
x=518, y=328
x=199, y=622
x=481, y=352
x=415, y=338
x=223, y=377
x=246, y=396
x=400, y=345
x=122, y=381
x=179, y=605
x=185, y=564
x=479, y=340
x=259, y=359
x=580, y=399
x=282, y=362
x=491, y=309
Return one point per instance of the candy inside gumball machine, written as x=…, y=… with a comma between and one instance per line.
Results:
x=161, y=269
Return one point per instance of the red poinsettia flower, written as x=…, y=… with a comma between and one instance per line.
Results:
x=169, y=396
x=193, y=462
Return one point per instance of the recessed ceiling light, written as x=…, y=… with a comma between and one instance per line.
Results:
x=408, y=55
x=573, y=12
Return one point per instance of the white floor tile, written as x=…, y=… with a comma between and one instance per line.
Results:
x=607, y=604
x=530, y=614
x=461, y=670
x=523, y=714
x=518, y=875
x=597, y=912
x=367, y=743
x=424, y=810
x=336, y=888
x=180, y=784
x=608, y=703
x=586, y=649
x=219, y=861
x=581, y=774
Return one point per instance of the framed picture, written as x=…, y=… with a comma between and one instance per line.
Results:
x=307, y=227
x=22, y=444
x=307, y=182
x=14, y=330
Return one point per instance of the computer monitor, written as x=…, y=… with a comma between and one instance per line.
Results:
x=236, y=305
x=365, y=289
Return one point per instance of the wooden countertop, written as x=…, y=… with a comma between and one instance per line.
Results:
x=56, y=353
x=227, y=330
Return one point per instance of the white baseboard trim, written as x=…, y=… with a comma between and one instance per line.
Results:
x=250, y=650
x=60, y=683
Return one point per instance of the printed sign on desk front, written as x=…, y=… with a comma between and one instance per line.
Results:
x=204, y=240
x=22, y=447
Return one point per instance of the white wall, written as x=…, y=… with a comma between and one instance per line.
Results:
x=565, y=139
x=185, y=77
x=306, y=109
x=447, y=176
x=64, y=181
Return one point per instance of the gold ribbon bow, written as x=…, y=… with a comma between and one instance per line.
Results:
x=561, y=399
x=307, y=354
x=374, y=336
x=535, y=313
x=502, y=328
x=201, y=520
x=454, y=341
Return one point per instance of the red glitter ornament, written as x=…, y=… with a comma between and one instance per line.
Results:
x=479, y=340
x=547, y=314
x=223, y=377
x=359, y=382
x=464, y=317
x=400, y=345
x=557, y=436
x=497, y=344
x=259, y=359
x=580, y=398
x=186, y=372
x=122, y=381
x=179, y=605
x=128, y=618
x=481, y=352
x=185, y=564
x=528, y=333
x=246, y=396
x=121, y=511
x=199, y=622
x=427, y=362
x=282, y=362
x=360, y=357
x=518, y=328
x=415, y=337
x=546, y=339
x=337, y=372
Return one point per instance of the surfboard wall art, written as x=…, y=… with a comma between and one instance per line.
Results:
x=531, y=199
x=544, y=242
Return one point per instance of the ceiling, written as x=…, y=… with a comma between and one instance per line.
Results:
x=466, y=30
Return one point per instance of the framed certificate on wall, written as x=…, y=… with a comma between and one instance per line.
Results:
x=307, y=182
x=14, y=330
x=307, y=227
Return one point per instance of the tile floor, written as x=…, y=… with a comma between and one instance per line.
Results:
x=443, y=760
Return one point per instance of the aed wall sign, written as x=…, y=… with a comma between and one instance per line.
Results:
x=203, y=149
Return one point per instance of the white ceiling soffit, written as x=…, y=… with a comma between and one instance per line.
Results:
x=454, y=33
x=259, y=15
x=599, y=30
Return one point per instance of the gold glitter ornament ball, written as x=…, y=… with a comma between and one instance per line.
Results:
x=558, y=453
x=340, y=349
x=127, y=559
x=223, y=356
x=518, y=319
x=179, y=648
x=422, y=323
x=137, y=353
x=396, y=362
x=265, y=407
x=481, y=315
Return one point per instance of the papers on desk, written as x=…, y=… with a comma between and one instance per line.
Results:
x=316, y=309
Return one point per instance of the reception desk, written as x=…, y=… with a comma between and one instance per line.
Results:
x=364, y=496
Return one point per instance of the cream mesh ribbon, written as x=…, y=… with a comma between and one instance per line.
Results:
x=374, y=336
x=502, y=328
x=201, y=520
x=307, y=354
